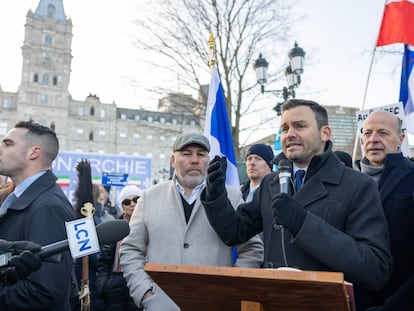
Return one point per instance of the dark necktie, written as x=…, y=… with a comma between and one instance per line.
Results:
x=298, y=179
x=9, y=200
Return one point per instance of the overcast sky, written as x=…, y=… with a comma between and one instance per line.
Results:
x=338, y=37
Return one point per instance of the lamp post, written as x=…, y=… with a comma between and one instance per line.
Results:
x=292, y=73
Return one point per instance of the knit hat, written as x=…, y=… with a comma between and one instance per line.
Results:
x=127, y=191
x=184, y=140
x=263, y=151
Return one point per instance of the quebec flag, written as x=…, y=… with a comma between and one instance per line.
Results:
x=407, y=87
x=217, y=129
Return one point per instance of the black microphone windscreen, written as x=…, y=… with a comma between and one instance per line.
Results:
x=285, y=166
x=112, y=231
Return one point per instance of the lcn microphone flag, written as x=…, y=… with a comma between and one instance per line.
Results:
x=407, y=87
x=217, y=129
x=397, y=23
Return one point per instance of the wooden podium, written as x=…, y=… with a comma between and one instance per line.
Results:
x=202, y=288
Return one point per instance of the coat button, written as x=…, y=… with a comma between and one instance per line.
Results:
x=186, y=245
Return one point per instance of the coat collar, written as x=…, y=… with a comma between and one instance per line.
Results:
x=40, y=185
x=324, y=168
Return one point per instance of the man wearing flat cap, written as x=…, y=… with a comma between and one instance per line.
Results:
x=169, y=225
x=258, y=164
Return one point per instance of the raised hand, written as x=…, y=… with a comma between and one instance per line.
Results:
x=216, y=178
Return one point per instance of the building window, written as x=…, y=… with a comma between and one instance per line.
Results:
x=174, y=121
x=136, y=138
x=48, y=40
x=102, y=113
x=45, y=79
x=163, y=141
x=79, y=131
x=92, y=111
x=44, y=99
x=6, y=103
x=101, y=133
x=80, y=111
x=91, y=136
x=149, y=118
x=136, y=117
x=123, y=116
x=122, y=135
x=3, y=128
x=35, y=78
x=55, y=80
x=149, y=138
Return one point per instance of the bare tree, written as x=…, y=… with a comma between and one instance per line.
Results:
x=177, y=31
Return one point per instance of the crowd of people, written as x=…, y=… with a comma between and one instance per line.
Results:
x=339, y=215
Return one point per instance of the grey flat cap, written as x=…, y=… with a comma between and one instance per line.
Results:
x=184, y=140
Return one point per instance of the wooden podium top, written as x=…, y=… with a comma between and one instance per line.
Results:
x=202, y=288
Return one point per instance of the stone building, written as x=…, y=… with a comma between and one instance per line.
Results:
x=88, y=125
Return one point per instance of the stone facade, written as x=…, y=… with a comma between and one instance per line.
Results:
x=89, y=125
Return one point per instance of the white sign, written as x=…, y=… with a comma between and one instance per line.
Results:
x=82, y=237
x=396, y=109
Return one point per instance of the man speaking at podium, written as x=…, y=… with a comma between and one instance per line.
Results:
x=332, y=222
x=35, y=211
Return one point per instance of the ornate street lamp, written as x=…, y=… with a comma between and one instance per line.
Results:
x=292, y=74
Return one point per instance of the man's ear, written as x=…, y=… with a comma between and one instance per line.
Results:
x=34, y=152
x=326, y=133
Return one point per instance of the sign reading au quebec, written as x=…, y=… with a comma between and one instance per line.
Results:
x=136, y=168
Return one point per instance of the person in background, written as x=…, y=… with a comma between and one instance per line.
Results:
x=258, y=164
x=169, y=225
x=110, y=283
x=333, y=221
x=393, y=173
x=37, y=213
x=100, y=199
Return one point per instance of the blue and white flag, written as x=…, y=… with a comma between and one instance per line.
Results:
x=217, y=129
x=407, y=87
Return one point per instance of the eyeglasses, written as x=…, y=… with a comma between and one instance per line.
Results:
x=128, y=201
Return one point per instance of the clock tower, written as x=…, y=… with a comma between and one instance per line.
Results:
x=43, y=93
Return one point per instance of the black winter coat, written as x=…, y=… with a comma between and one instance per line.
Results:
x=111, y=286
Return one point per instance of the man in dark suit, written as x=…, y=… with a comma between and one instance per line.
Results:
x=382, y=137
x=333, y=222
x=37, y=212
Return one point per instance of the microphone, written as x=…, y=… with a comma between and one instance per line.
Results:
x=108, y=232
x=285, y=174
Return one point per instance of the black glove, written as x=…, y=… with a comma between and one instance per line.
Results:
x=18, y=247
x=22, y=263
x=287, y=212
x=216, y=178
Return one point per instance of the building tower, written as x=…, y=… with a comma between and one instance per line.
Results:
x=46, y=66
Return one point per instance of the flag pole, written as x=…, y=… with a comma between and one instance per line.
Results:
x=363, y=101
x=366, y=84
x=212, y=45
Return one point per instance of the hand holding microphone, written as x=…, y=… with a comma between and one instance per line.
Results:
x=23, y=261
x=288, y=212
x=21, y=258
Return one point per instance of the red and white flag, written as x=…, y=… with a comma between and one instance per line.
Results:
x=397, y=23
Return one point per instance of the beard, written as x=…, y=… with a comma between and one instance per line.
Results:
x=191, y=180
